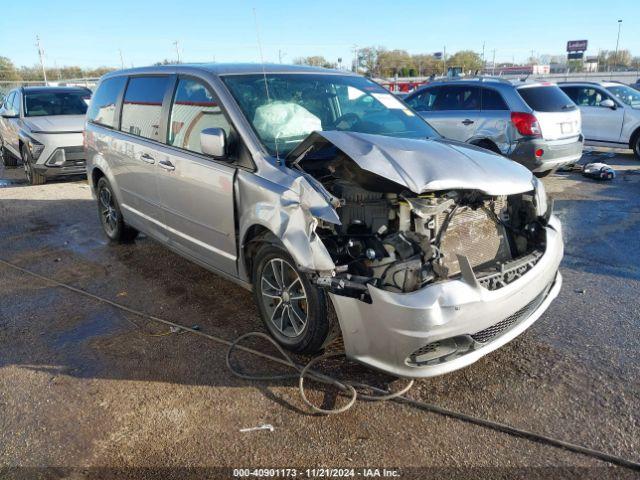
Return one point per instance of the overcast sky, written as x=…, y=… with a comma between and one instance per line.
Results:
x=91, y=33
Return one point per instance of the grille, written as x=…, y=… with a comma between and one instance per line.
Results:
x=525, y=312
x=476, y=235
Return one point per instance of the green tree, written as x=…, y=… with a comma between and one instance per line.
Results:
x=314, y=61
x=8, y=71
x=469, y=60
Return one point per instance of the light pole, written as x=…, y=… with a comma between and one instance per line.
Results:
x=41, y=55
x=615, y=58
x=176, y=44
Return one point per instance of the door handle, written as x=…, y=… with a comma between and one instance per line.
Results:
x=166, y=165
x=146, y=158
x=467, y=122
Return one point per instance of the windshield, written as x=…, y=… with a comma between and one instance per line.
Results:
x=289, y=107
x=38, y=104
x=626, y=95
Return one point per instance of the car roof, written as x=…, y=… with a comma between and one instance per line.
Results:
x=600, y=84
x=220, y=69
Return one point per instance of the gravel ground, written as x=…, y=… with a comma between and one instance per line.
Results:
x=86, y=388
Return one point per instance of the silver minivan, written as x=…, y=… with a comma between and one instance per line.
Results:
x=321, y=191
x=533, y=123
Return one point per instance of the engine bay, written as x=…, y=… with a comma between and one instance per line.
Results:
x=400, y=241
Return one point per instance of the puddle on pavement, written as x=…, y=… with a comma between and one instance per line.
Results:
x=95, y=325
x=11, y=183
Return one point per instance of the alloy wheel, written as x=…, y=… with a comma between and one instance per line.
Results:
x=108, y=212
x=28, y=168
x=284, y=297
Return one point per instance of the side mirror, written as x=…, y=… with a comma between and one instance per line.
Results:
x=8, y=113
x=213, y=142
x=608, y=103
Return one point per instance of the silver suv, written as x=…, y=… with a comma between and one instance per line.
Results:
x=320, y=190
x=610, y=113
x=43, y=126
x=534, y=124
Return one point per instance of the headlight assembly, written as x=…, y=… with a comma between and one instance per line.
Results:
x=35, y=148
x=542, y=201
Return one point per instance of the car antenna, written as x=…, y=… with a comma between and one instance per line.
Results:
x=264, y=75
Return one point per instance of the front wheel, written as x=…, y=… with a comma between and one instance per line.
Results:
x=111, y=216
x=636, y=147
x=33, y=177
x=293, y=310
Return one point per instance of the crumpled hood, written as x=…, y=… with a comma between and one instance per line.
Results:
x=426, y=165
x=56, y=123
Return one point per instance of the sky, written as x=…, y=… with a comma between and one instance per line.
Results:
x=91, y=34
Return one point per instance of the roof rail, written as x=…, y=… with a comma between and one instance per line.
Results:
x=478, y=78
x=588, y=82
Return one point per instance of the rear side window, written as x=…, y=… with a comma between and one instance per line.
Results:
x=423, y=101
x=546, y=99
x=16, y=103
x=142, y=106
x=103, y=105
x=492, y=100
x=194, y=108
x=458, y=97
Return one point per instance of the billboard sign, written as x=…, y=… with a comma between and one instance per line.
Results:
x=438, y=55
x=575, y=55
x=577, y=45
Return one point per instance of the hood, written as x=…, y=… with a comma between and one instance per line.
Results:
x=424, y=165
x=56, y=123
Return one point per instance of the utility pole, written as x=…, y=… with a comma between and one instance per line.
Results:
x=444, y=61
x=41, y=55
x=176, y=44
x=615, y=58
x=281, y=55
x=356, y=60
x=484, y=63
x=493, y=64
x=121, y=59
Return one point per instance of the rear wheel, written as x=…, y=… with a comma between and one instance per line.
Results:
x=111, y=216
x=293, y=310
x=8, y=159
x=33, y=177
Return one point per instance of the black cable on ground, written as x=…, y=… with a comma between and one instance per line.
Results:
x=347, y=387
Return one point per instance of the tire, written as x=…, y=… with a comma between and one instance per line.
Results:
x=33, y=177
x=282, y=309
x=544, y=174
x=636, y=146
x=8, y=159
x=110, y=215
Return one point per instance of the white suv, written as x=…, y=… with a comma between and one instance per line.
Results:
x=610, y=113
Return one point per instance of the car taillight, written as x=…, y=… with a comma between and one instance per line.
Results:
x=526, y=124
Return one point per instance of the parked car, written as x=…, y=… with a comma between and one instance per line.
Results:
x=610, y=113
x=43, y=126
x=320, y=190
x=534, y=124
x=636, y=85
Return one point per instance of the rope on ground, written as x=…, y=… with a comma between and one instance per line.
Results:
x=303, y=370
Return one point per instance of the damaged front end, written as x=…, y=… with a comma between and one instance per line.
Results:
x=442, y=252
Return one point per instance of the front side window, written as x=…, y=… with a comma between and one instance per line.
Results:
x=103, y=104
x=8, y=103
x=194, y=108
x=423, y=101
x=142, y=106
x=626, y=95
x=585, y=96
x=284, y=109
x=38, y=104
x=458, y=97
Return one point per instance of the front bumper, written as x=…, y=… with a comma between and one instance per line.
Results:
x=386, y=332
x=556, y=153
x=53, y=144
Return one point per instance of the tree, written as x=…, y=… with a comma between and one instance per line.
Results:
x=314, y=61
x=8, y=71
x=394, y=62
x=368, y=58
x=468, y=60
